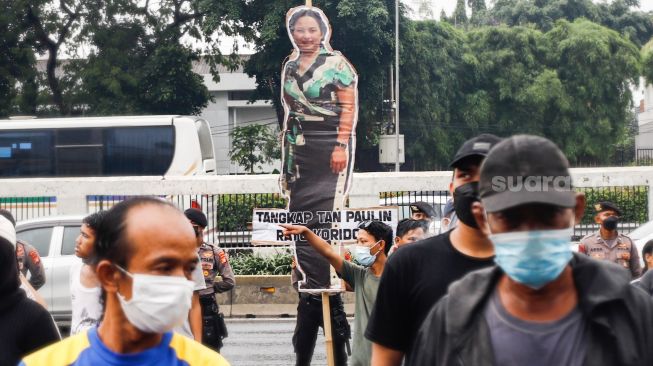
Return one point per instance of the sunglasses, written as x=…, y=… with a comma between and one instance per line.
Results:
x=197, y=230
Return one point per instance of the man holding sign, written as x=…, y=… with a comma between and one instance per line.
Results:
x=371, y=249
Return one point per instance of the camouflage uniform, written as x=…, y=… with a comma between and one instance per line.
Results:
x=29, y=260
x=620, y=250
x=214, y=261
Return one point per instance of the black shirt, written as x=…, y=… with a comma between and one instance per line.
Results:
x=414, y=279
x=25, y=327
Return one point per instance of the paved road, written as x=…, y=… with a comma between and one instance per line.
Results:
x=266, y=342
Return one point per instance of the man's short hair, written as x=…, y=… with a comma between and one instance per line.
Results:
x=111, y=243
x=406, y=225
x=378, y=230
x=93, y=220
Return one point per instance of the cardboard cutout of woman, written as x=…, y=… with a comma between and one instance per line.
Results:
x=320, y=100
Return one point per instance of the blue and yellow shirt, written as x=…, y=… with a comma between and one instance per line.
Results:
x=87, y=349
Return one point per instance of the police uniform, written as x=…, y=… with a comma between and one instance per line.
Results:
x=29, y=260
x=214, y=261
x=620, y=250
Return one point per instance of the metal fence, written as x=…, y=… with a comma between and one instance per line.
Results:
x=24, y=208
x=632, y=200
x=644, y=157
x=404, y=199
x=229, y=215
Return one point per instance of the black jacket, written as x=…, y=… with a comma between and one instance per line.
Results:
x=619, y=319
x=646, y=282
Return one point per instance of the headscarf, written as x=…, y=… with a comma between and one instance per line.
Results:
x=10, y=292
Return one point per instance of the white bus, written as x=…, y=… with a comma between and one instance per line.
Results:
x=106, y=146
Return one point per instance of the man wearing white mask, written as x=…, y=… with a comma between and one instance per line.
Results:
x=541, y=304
x=146, y=253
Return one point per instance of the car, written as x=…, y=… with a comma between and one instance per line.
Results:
x=54, y=239
x=641, y=236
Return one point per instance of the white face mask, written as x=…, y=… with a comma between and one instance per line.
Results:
x=158, y=303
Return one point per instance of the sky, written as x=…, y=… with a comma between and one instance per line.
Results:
x=449, y=5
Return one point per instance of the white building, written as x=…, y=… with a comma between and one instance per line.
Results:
x=644, y=99
x=231, y=108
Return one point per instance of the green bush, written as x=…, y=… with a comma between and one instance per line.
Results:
x=235, y=210
x=633, y=202
x=254, y=264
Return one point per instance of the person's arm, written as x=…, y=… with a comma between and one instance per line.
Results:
x=34, y=265
x=635, y=265
x=31, y=292
x=384, y=356
x=319, y=244
x=228, y=280
x=195, y=317
x=347, y=101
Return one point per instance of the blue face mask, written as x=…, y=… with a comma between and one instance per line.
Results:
x=533, y=258
x=362, y=254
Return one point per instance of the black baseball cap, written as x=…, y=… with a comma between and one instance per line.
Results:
x=525, y=169
x=424, y=207
x=476, y=146
x=607, y=206
x=196, y=216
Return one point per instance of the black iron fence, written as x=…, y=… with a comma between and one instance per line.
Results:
x=229, y=215
x=633, y=201
x=644, y=157
x=25, y=208
x=403, y=199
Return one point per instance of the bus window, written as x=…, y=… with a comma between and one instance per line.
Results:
x=138, y=150
x=26, y=153
x=78, y=152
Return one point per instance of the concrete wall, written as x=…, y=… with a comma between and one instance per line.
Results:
x=71, y=193
x=263, y=296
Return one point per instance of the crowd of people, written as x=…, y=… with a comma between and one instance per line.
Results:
x=498, y=284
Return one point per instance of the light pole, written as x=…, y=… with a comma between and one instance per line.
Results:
x=397, y=84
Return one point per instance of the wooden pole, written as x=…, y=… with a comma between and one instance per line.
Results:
x=309, y=2
x=326, y=317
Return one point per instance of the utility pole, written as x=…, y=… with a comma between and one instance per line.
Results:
x=397, y=84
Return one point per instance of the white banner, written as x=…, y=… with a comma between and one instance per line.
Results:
x=344, y=224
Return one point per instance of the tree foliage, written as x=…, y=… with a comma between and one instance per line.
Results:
x=570, y=84
x=617, y=14
x=253, y=145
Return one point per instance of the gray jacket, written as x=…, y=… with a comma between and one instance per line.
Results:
x=619, y=319
x=645, y=282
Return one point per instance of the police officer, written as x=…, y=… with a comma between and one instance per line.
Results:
x=214, y=262
x=607, y=243
x=28, y=258
x=422, y=211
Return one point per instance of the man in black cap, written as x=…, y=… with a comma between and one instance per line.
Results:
x=609, y=245
x=541, y=304
x=214, y=262
x=417, y=276
x=422, y=211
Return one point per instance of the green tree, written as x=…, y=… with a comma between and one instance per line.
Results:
x=596, y=66
x=459, y=16
x=438, y=105
x=363, y=30
x=570, y=84
x=617, y=14
x=52, y=26
x=253, y=145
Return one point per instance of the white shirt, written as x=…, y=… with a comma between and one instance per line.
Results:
x=198, y=278
x=86, y=307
